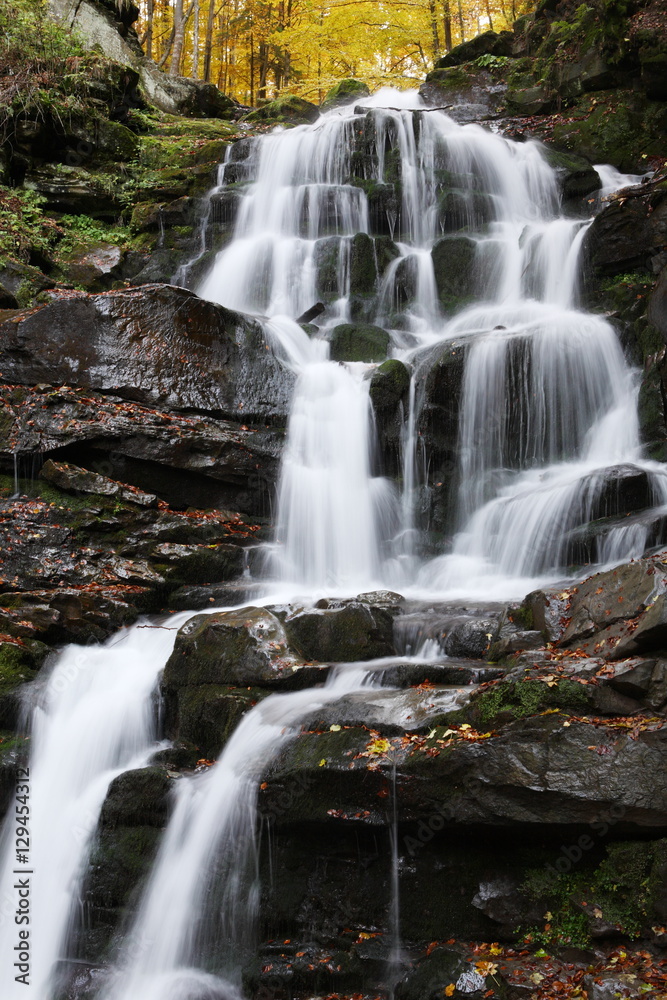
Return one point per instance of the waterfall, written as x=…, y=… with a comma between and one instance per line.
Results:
x=199, y=906
x=547, y=418
x=548, y=402
x=93, y=718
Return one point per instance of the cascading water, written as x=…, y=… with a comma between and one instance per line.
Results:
x=548, y=402
x=94, y=717
x=548, y=411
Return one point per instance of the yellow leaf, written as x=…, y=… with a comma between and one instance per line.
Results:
x=449, y=990
x=334, y=729
x=466, y=726
x=322, y=762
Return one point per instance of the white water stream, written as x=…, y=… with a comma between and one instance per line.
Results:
x=548, y=407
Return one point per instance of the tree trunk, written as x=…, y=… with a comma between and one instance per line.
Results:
x=461, y=24
x=434, y=29
x=208, y=42
x=447, y=19
x=195, y=43
x=148, y=38
x=179, y=38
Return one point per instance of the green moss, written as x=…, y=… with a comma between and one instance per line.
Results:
x=18, y=665
x=523, y=698
x=344, y=92
x=623, y=890
x=620, y=127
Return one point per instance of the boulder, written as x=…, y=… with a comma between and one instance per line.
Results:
x=577, y=176
x=186, y=460
x=536, y=772
x=344, y=92
x=629, y=232
x=488, y=43
x=359, y=342
x=351, y=632
x=237, y=648
x=109, y=27
x=135, y=343
x=454, y=271
x=72, y=479
x=285, y=110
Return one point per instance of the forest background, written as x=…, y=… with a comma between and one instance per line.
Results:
x=254, y=50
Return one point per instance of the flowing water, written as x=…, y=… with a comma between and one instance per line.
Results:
x=547, y=418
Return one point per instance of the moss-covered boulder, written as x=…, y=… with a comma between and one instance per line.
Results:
x=454, y=270
x=348, y=633
x=363, y=266
x=344, y=92
x=359, y=342
x=389, y=386
x=488, y=43
x=238, y=648
x=287, y=110
x=208, y=714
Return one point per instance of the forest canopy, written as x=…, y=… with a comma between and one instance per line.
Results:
x=254, y=50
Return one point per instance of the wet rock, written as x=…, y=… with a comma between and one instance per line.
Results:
x=358, y=342
x=629, y=232
x=433, y=974
x=285, y=110
x=363, y=268
x=488, y=43
x=237, y=648
x=453, y=268
x=344, y=92
x=657, y=309
x=576, y=174
x=132, y=343
x=188, y=461
x=389, y=389
x=137, y=798
x=134, y=812
x=20, y=660
x=208, y=714
x=72, y=479
x=536, y=772
x=390, y=712
x=344, y=634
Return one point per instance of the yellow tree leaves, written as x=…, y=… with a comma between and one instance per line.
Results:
x=255, y=50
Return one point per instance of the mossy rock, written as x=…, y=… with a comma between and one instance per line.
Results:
x=18, y=665
x=247, y=647
x=622, y=895
x=390, y=383
x=359, y=342
x=345, y=634
x=508, y=700
x=289, y=110
x=120, y=860
x=209, y=714
x=454, y=270
x=137, y=798
x=344, y=92
x=363, y=269
x=620, y=127
x=578, y=177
